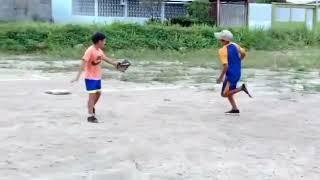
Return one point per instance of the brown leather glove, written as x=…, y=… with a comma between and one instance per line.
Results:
x=123, y=65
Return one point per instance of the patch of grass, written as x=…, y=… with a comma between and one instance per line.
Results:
x=57, y=39
x=298, y=59
x=298, y=77
x=314, y=88
x=301, y=59
x=289, y=25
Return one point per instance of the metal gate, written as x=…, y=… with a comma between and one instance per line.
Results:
x=233, y=14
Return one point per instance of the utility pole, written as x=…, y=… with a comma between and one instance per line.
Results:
x=218, y=12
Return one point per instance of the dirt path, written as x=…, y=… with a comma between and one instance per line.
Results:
x=163, y=122
x=155, y=132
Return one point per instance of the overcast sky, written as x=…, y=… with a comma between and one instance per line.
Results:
x=301, y=1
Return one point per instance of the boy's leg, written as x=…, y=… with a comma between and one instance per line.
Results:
x=232, y=102
x=235, y=91
x=91, y=102
x=98, y=95
x=228, y=90
x=242, y=88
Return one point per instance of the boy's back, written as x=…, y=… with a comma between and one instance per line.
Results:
x=230, y=55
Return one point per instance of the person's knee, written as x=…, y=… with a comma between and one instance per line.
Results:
x=225, y=95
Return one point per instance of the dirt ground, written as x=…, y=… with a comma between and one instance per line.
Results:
x=155, y=131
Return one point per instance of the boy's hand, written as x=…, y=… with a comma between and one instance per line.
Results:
x=74, y=80
x=219, y=80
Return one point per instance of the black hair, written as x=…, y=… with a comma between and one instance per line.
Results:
x=98, y=36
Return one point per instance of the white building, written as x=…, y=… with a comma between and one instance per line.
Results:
x=107, y=11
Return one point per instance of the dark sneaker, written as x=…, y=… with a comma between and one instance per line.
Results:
x=244, y=88
x=92, y=119
x=233, y=112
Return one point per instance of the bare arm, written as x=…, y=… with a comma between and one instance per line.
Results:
x=223, y=73
x=110, y=61
x=242, y=55
x=81, y=68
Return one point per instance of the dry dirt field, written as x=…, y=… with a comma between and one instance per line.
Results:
x=173, y=130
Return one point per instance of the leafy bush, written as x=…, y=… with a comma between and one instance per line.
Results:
x=199, y=12
x=42, y=36
x=183, y=21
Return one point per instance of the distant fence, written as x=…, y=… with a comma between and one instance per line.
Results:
x=294, y=15
x=276, y=15
x=233, y=14
x=25, y=10
x=260, y=16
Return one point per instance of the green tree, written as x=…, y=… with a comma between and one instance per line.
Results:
x=199, y=10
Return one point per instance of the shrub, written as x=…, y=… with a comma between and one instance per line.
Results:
x=199, y=11
x=183, y=21
x=42, y=36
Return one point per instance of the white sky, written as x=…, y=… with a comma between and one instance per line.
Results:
x=301, y=1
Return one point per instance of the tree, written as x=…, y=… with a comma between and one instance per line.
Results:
x=199, y=10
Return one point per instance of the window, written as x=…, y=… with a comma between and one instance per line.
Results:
x=174, y=10
x=123, y=2
x=140, y=9
x=112, y=8
x=83, y=7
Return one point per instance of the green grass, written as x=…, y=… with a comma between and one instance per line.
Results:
x=318, y=27
x=57, y=39
x=299, y=59
x=286, y=47
x=289, y=25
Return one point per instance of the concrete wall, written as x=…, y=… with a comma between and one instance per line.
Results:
x=25, y=10
x=260, y=16
x=62, y=13
x=6, y=9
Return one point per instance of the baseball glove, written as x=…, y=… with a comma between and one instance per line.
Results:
x=123, y=65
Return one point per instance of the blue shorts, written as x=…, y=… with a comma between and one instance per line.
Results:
x=93, y=86
x=228, y=86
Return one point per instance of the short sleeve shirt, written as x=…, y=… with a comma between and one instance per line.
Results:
x=223, y=52
x=230, y=55
x=93, y=58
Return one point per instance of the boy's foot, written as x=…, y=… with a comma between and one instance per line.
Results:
x=92, y=119
x=244, y=88
x=233, y=112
